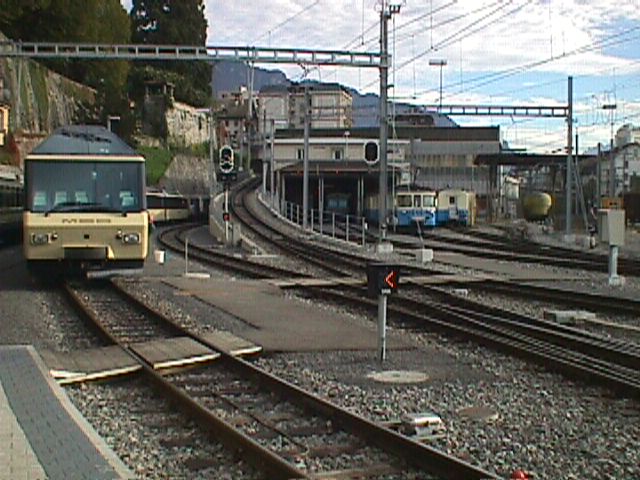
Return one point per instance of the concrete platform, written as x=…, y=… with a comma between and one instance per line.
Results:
x=42, y=435
x=278, y=323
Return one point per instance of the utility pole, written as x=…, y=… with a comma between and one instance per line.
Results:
x=569, y=176
x=264, y=152
x=212, y=140
x=386, y=11
x=439, y=63
x=305, y=173
x=273, y=163
x=599, y=177
x=250, y=119
x=612, y=168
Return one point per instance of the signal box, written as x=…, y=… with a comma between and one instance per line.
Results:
x=382, y=278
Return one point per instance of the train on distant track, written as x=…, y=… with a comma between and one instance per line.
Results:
x=85, y=206
x=11, y=193
x=426, y=208
x=168, y=207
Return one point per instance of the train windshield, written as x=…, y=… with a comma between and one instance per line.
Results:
x=72, y=186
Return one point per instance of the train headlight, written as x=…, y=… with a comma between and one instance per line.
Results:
x=131, y=238
x=40, y=238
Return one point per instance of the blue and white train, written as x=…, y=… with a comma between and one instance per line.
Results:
x=413, y=208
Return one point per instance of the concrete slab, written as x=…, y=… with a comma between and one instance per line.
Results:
x=569, y=316
x=42, y=434
x=480, y=413
x=398, y=376
x=283, y=324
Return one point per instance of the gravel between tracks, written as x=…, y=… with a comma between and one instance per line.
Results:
x=546, y=424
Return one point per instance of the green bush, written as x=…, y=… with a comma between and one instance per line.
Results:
x=157, y=162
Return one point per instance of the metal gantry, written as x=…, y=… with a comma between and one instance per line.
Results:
x=556, y=111
x=190, y=53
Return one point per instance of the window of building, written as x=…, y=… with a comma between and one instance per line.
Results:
x=338, y=154
x=300, y=154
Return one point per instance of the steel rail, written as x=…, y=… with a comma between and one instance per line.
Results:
x=410, y=452
x=235, y=440
x=623, y=380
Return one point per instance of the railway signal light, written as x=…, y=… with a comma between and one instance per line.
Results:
x=371, y=152
x=382, y=278
x=225, y=216
x=226, y=160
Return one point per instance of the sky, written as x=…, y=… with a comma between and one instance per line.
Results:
x=497, y=52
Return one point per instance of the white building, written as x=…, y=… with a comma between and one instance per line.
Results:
x=331, y=106
x=627, y=134
x=626, y=161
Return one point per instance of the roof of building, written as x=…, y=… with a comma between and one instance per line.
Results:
x=83, y=140
x=443, y=134
x=300, y=87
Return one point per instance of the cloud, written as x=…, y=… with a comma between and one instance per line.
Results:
x=498, y=51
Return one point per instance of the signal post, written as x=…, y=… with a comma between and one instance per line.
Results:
x=227, y=175
x=382, y=280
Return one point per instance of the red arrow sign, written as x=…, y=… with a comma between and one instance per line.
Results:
x=391, y=279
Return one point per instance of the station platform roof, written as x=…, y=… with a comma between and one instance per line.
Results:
x=526, y=159
x=335, y=167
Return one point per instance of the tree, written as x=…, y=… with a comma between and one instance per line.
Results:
x=13, y=11
x=82, y=21
x=173, y=22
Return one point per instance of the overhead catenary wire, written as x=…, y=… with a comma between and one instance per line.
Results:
x=285, y=21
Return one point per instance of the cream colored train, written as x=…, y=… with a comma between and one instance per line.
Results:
x=85, y=206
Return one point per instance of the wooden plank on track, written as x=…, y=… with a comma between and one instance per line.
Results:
x=85, y=365
x=315, y=282
x=366, y=472
x=231, y=344
x=174, y=352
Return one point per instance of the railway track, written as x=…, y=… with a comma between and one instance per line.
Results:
x=488, y=245
x=283, y=431
x=613, y=365
x=572, y=351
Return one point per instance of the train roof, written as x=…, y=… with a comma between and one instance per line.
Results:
x=84, y=140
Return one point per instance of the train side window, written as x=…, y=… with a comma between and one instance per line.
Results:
x=452, y=200
x=417, y=201
x=428, y=201
x=404, y=200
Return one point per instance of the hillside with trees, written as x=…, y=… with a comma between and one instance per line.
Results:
x=119, y=84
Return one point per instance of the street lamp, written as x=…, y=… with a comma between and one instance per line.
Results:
x=441, y=62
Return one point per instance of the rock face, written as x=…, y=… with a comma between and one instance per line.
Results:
x=40, y=100
x=187, y=175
